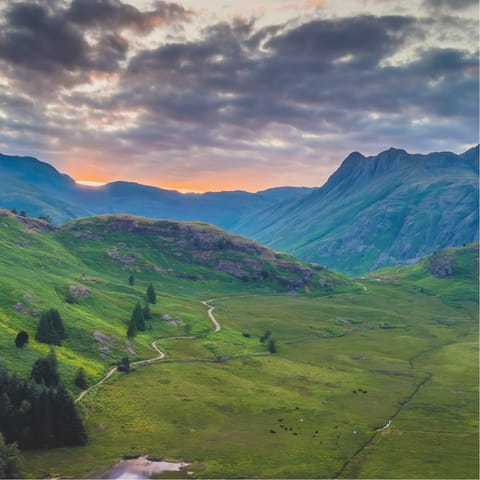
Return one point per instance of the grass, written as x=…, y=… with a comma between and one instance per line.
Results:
x=346, y=363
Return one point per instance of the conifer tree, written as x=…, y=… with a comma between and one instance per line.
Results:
x=45, y=371
x=147, y=314
x=50, y=328
x=151, y=295
x=80, y=379
x=137, y=317
x=131, y=329
x=131, y=280
x=57, y=323
x=69, y=429
x=272, y=347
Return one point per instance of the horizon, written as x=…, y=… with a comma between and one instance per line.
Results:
x=98, y=184
x=228, y=97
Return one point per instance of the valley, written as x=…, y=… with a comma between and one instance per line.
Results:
x=400, y=344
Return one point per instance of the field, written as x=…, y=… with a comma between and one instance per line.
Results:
x=399, y=345
x=221, y=415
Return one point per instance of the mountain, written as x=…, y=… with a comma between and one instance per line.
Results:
x=38, y=188
x=375, y=211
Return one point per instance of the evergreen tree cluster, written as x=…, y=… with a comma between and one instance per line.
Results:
x=39, y=412
x=50, y=328
x=139, y=314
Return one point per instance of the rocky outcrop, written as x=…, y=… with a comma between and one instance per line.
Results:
x=440, y=265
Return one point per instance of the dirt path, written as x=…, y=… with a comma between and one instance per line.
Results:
x=210, y=314
x=160, y=356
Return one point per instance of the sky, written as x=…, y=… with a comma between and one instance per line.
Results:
x=217, y=95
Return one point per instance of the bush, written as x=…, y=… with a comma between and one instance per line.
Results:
x=124, y=365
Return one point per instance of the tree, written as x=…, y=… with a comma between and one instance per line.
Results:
x=57, y=323
x=137, y=317
x=38, y=416
x=131, y=280
x=10, y=460
x=124, y=365
x=50, y=328
x=147, y=314
x=45, y=370
x=151, y=295
x=23, y=213
x=80, y=379
x=131, y=329
x=14, y=210
x=21, y=339
x=266, y=336
x=68, y=426
x=272, y=348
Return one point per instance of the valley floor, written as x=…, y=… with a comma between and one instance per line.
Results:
x=345, y=365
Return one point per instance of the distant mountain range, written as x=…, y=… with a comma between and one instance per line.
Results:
x=373, y=211
x=376, y=211
x=38, y=188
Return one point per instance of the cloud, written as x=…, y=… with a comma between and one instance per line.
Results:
x=240, y=95
x=116, y=14
x=450, y=4
x=33, y=36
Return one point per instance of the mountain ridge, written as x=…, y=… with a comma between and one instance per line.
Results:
x=373, y=211
x=39, y=188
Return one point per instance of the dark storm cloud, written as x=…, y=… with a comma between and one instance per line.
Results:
x=35, y=37
x=302, y=78
x=116, y=14
x=56, y=40
x=364, y=36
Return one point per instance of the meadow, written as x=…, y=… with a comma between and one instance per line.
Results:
x=399, y=345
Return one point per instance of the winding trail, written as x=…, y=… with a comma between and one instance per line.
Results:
x=160, y=356
x=210, y=314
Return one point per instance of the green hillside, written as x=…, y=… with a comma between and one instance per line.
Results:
x=42, y=265
x=350, y=355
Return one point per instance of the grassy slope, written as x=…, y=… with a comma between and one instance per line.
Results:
x=219, y=415
x=38, y=266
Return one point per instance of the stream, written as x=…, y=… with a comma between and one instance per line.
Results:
x=142, y=468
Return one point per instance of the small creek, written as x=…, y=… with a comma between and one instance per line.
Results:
x=142, y=468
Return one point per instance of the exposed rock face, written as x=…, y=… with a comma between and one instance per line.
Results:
x=440, y=265
x=113, y=253
x=198, y=244
x=79, y=291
